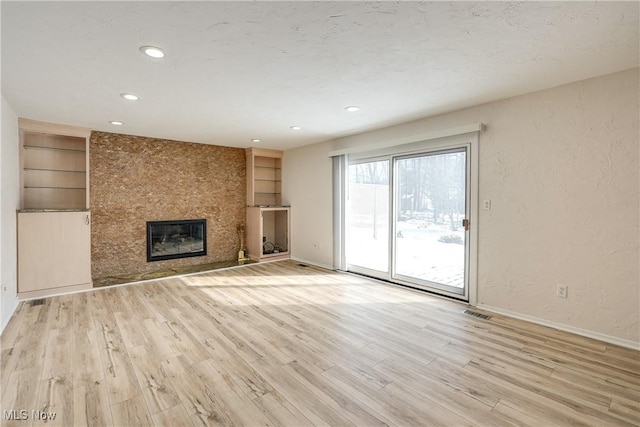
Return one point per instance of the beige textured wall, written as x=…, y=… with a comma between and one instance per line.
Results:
x=134, y=180
x=561, y=167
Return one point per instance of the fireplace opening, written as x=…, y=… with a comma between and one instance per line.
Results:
x=176, y=239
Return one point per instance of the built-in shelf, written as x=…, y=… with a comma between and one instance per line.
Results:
x=268, y=233
x=60, y=188
x=264, y=177
x=37, y=147
x=53, y=170
x=267, y=220
x=54, y=166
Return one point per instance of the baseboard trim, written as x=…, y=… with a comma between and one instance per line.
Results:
x=562, y=327
x=46, y=293
x=315, y=264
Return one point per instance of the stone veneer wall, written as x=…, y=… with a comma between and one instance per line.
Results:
x=135, y=179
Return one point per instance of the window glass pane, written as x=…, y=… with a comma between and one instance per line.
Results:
x=368, y=219
x=430, y=207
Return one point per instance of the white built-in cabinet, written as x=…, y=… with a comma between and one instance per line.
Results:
x=54, y=222
x=54, y=252
x=268, y=221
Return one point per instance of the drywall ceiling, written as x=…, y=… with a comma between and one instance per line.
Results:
x=234, y=71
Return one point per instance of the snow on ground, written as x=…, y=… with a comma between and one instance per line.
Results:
x=420, y=254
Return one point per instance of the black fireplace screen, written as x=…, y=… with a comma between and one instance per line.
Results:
x=176, y=239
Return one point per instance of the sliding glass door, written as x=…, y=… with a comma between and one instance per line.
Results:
x=430, y=209
x=407, y=219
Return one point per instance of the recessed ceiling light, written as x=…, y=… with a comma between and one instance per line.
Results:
x=116, y=122
x=295, y=128
x=352, y=108
x=129, y=96
x=152, y=51
x=255, y=140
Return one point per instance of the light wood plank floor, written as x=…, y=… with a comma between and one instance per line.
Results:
x=279, y=344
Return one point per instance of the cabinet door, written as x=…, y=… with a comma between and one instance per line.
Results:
x=254, y=233
x=54, y=250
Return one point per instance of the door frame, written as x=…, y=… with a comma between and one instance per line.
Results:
x=427, y=285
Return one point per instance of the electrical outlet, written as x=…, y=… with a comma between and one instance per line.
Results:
x=486, y=205
x=562, y=291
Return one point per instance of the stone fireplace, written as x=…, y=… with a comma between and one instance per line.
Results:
x=135, y=179
x=176, y=239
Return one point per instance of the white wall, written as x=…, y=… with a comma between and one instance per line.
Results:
x=561, y=167
x=306, y=179
x=9, y=183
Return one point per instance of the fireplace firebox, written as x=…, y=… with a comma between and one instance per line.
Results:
x=176, y=239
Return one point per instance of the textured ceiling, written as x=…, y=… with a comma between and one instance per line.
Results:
x=241, y=70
